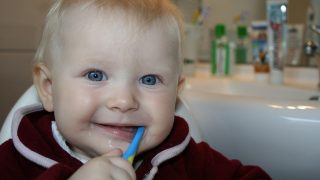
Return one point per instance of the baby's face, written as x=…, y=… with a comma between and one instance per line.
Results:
x=108, y=78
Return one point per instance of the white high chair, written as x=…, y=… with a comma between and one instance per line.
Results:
x=31, y=97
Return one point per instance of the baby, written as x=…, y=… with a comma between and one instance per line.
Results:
x=103, y=69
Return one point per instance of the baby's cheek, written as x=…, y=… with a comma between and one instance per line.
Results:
x=151, y=140
x=148, y=143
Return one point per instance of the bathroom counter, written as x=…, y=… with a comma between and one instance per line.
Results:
x=295, y=77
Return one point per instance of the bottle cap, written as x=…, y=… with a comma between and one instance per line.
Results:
x=242, y=31
x=220, y=30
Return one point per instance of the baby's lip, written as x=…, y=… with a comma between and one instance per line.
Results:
x=124, y=132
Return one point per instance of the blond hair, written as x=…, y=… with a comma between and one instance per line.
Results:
x=145, y=11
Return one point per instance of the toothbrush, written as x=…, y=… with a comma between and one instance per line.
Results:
x=133, y=147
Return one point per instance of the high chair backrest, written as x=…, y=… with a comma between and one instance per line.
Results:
x=29, y=97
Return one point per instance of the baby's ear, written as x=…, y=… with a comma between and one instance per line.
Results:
x=43, y=83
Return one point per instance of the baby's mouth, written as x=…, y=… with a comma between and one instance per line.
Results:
x=125, y=133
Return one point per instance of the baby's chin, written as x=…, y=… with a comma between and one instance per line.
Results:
x=147, y=144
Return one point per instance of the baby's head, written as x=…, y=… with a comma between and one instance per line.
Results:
x=105, y=67
x=142, y=13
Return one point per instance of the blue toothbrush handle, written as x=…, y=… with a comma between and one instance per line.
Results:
x=133, y=147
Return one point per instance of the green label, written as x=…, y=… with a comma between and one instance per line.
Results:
x=220, y=62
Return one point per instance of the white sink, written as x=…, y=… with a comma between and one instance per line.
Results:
x=230, y=86
x=275, y=127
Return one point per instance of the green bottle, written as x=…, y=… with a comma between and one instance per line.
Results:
x=241, y=50
x=220, y=52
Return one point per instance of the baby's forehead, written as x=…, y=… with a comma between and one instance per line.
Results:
x=116, y=19
x=131, y=25
x=121, y=30
x=113, y=25
x=113, y=15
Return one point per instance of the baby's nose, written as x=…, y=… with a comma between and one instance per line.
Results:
x=122, y=100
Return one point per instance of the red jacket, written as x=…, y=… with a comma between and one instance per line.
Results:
x=183, y=158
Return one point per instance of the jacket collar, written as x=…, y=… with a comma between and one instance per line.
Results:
x=174, y=144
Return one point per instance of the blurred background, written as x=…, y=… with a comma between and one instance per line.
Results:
x=21, y=24
x=20, y=30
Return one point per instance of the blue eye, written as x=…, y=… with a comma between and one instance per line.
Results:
x=149, y=80
x=96, y=76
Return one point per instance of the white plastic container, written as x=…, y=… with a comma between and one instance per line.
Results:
x=277, y=38
x=191, y=48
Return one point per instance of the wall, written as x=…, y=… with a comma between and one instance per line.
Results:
x=20, y=31
x=225, y=11
x=297, y=11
